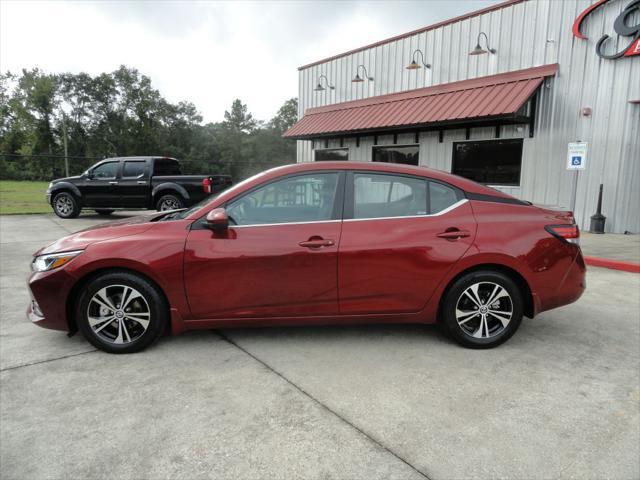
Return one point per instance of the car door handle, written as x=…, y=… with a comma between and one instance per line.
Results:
x=316, y=243
x=454, y=234
x=113, y=183
x=141, y=182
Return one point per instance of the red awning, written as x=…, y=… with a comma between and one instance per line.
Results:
x=480, y=99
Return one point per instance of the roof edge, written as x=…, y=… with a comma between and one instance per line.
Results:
x=515, y=75
x=475, y=13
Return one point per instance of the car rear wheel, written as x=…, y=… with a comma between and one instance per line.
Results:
x=103, y=211
x=482, y=309
x=65, y=205
x=169, y=202
x=121, y=312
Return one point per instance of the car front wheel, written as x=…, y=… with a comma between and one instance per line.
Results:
x=65, y=205
x=482, y=309
x=121, y=312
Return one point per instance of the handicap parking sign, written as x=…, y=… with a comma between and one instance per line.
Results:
x=577, y=156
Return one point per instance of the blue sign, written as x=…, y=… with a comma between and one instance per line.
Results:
x=576, y=161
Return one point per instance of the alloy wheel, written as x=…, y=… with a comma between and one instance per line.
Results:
x=118, y=314
x=64, y=205
x=484, y=310
x=169, y=204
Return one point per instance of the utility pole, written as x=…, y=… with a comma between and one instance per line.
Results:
x=64, y=139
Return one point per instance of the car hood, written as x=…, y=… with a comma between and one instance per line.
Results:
x=101, y=232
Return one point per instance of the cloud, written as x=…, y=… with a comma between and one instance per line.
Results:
x=206, y=52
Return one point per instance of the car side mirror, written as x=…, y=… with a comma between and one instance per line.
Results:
x=217, y=219
x=89, y=175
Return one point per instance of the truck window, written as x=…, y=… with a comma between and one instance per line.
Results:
x=166, y=166
x=105, y=170
x=134, y=169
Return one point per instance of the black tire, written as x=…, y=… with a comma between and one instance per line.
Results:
x=169, y=202
x=110, y=335
x=473, y=292
x=65, y=205
x=104, y=211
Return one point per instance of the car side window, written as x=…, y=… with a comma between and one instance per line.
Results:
x=441, y=197
x=105, y=170
x=303, y=198
x=381, y=195
x=134, y=169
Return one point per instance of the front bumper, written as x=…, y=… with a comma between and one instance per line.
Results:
x=49, y=293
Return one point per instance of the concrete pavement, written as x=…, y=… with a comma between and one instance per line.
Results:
x=561, y=399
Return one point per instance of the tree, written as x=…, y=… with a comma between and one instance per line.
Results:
x=287, y=115
x=239, y=119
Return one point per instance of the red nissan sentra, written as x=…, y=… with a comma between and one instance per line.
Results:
x=315, y=243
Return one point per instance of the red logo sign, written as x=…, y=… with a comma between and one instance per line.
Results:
x=619, y=25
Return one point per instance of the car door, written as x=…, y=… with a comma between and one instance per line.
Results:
x=279, y=256
x=134, y=184
x=100, y=188
x=400, y=235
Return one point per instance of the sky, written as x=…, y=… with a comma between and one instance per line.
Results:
x=208, y=53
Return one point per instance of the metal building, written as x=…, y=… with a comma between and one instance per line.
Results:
x=496, y=95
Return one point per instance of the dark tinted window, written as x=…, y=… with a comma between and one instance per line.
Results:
x=407, y=154
x=303, y=198
x=165, y=166
x=328, y=154
x=134, y=169
x=106, y=170
x=380, y=195
x=493, y=162
x=441, y=197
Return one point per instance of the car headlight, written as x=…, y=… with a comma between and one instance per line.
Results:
x=42, y=263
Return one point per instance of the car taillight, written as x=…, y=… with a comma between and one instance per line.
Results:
x=206, y=185
x=567, y=233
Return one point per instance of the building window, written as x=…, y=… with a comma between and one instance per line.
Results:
x=405, y=154
x=329, y=154
x=493, y=162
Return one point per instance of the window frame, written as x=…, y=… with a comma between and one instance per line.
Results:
x=349, y=197
x=494, y=140
x=336, y=213
x=374, y=147
x=332, y=149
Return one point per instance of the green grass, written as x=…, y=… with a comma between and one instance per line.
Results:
x=23, y=197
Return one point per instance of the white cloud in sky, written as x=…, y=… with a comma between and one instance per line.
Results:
x=208, y=53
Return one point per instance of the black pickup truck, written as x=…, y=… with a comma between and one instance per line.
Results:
x=131, y=183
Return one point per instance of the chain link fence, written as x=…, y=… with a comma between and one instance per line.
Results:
x=49, y=167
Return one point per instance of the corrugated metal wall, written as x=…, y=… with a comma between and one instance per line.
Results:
x=528, y=34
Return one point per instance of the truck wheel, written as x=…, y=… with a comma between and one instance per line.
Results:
x=65, y=205
x=169, y=202
x=104, y=212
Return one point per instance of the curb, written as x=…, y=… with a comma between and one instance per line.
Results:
x=632, y=267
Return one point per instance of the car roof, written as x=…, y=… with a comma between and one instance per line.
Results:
x=382, y=167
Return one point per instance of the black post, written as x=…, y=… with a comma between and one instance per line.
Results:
x=597, y=220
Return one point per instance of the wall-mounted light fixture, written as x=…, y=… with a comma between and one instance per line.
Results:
x=358, y=78
x=320, y=88
x=479, y=50
x=414, y=65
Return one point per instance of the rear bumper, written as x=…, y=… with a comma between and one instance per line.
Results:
x=49, y=293
x=570, y=288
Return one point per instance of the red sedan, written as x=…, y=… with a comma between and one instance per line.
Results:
x=316, y=243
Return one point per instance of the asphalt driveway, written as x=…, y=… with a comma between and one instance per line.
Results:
x=561, y=399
